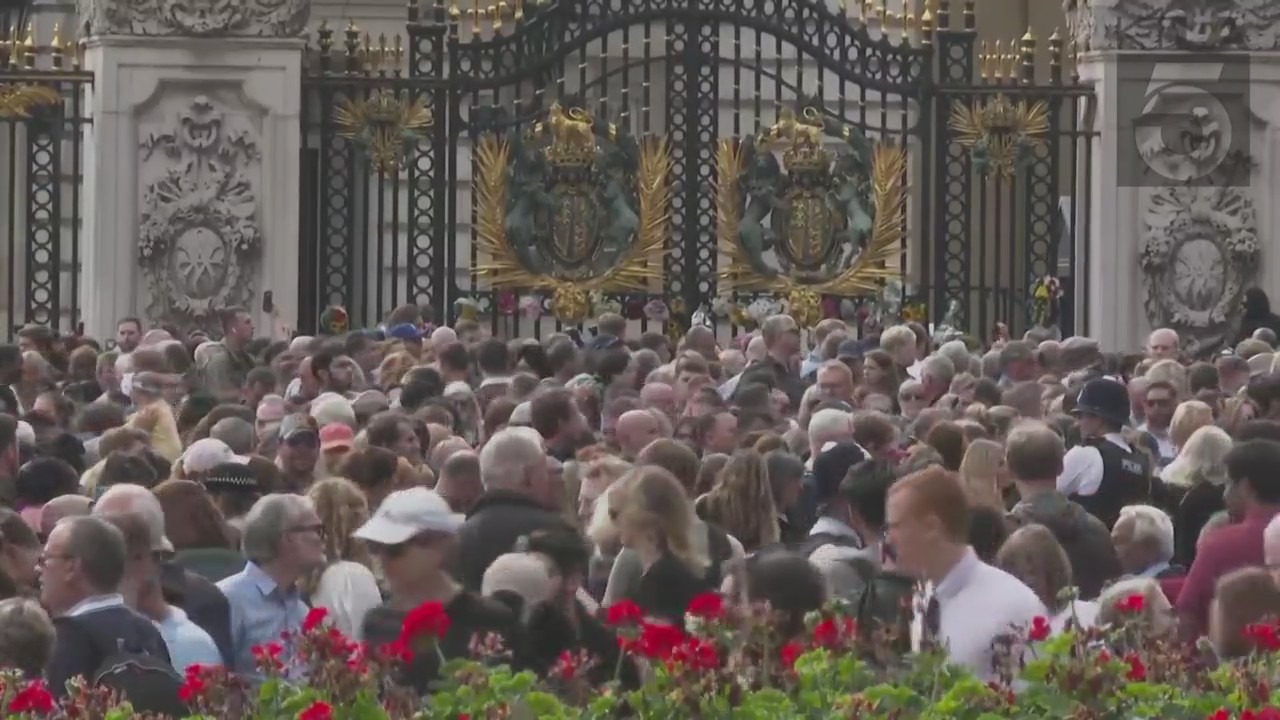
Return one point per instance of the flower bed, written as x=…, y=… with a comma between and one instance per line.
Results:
x=730, y=664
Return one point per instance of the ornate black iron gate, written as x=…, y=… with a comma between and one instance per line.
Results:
x=441, y=171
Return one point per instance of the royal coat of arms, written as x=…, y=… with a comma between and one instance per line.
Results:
x=571, y=205
x=809, y=206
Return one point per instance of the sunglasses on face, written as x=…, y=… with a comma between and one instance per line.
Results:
x=307, y=440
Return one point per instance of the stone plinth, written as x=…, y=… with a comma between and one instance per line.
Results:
x=192, y=174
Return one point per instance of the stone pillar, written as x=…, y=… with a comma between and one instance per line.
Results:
x=192, y=175
x=1186, y=170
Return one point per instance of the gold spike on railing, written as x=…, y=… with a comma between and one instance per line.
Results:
x=56, y=47
x=984, y=62
x=351, y=40
x=29, y=48
x=475, y=19
x=998, y=57
x=926, y=24
x=1011, y=62
x=498, y=11
x=1055, y=57
x=1028, y=51
x=517, y=12
x=970, y=17
x=455, y=13
x=13, y=46
x=324, y=41
x=944, y=14
x=397, y=54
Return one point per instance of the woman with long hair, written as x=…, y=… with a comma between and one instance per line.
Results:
x=345, y=586
x=653, y=517
x=1195, y=483
x=201, y=538
x=981, y=471
x=1033, y=555
x=741, y=503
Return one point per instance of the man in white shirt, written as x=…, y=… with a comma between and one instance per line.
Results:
x=964, y=604
x=1159, y=402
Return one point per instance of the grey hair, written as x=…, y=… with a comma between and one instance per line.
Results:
x=26, y=635
x=237, y=433
x=508, y=455
x=1151, y=524
x=266, y=524
x=938, y=367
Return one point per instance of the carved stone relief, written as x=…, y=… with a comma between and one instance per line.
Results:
x=196, y=18
x=199, y=242
x=1199, y=253
x=1174, y=24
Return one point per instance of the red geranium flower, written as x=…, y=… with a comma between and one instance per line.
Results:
x=708, y=606
x=1040, y=629
x=830, y=632
x=315, y=617
x=656, y=641
x=565, y=668
x=267, y=656
x=790, y=653
x=428, y=619
x=34, y=698
x=318, y=710
x=1137, y=671
x=1132, y=604
x=694, y=654
x=396, y=651
x=1263, y=636
x=192, y=688
x=1221, y=714
x=623, y=612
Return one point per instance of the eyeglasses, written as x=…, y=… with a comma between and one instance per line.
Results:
x=44, y=559
x=317, y=528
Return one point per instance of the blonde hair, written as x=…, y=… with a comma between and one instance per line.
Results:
x=651, y=499
x=979, y=470
x=1190, y=416
x=342, y=509
x=742, y=501
x=393, y=368
x=1170, y=371
x=1201, y=459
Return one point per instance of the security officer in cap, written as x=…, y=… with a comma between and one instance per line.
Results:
x=1104, y=473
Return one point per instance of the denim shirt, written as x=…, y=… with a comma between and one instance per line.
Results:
x=260, y=612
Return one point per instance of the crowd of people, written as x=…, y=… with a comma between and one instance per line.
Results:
x=176, y=500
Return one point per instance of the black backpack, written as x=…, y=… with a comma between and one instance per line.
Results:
x=149, y=683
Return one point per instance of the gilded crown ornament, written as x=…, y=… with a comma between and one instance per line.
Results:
x=571, y=206
x=826, y=219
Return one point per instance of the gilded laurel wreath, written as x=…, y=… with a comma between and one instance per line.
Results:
x=999, y=133
x=385, y=124
x=867, y=271
x=17, y=101
x=635, y=268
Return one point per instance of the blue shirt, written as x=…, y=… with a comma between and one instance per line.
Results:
x=188, y=643
x=261, y=612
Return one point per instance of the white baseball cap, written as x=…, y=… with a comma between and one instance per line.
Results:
x=407, y=513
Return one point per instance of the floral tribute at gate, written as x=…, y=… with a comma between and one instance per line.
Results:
x=728, y=661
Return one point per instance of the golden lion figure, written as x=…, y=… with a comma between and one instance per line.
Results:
x=572, y=129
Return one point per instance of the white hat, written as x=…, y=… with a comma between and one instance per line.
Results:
x=407, y=513
x=206, y=454
x=522, y=414
x=25, y=434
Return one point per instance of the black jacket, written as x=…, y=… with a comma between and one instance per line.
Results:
x=497, y=520
x=1257, y=314
x=1190, y=511
x=203, y=603
x=84, y=642
x=548, y=632
x=469, y=615
x=1094, y=561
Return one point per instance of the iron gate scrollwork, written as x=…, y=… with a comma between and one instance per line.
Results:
x=437, y=181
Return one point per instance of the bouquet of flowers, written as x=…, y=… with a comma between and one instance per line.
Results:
x=1045, y=295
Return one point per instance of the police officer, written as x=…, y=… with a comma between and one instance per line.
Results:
x=1104, y=473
